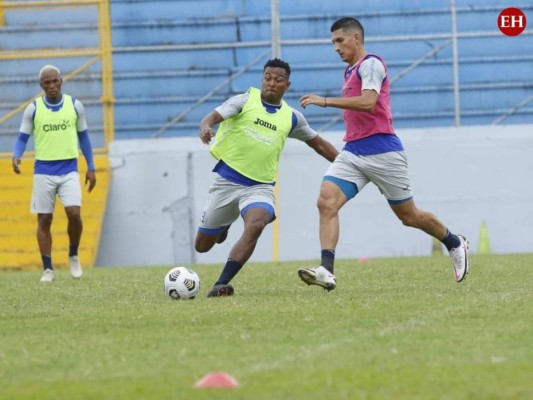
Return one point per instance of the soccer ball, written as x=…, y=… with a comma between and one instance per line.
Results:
x=182, y=283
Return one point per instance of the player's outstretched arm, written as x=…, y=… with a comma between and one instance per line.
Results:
x=309, y=99
x=323, y=147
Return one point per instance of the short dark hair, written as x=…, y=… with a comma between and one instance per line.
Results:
x=277, y=63
x=348, y=23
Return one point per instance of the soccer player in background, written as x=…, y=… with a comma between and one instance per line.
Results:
x=251, y=136
x=57, y=122
x=372, y=153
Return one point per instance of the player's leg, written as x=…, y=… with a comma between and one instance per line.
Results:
x=220, y=211
x=44, y=236
x=255, y=218
x=389, y=171
x=414, y=217
x=342, y=182
x=43, y=204
x=206, y=238
x=333, y=195
x=74, y=230
x=257, y=210
x=330, y=201
x=44, y=239
x=69, y=192
x=457, y=245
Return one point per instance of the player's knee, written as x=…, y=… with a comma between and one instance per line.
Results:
x=202, y=247
x=409, y=219
x=204, y=242
x=45, y=220
x=326, y=204
x=73, y=213
x=255, y=228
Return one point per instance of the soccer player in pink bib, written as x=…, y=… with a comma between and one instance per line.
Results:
x=372, y=153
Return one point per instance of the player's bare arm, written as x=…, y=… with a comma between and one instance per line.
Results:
x=366, y=102
x=207, y=124
x=313, y=99
x=323, y=147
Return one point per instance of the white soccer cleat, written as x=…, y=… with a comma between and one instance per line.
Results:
x=318, y=276
x=75, y=267
x=459, y=256
x=48, y=275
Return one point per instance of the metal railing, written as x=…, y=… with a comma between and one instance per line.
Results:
x=102, y=53
x=105, y=51
x=207, y=96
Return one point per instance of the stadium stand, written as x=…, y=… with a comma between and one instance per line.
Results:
x=18, y=245
x=168, y=54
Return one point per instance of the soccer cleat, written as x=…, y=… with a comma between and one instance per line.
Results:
x=75, y=267
x=318, y=276
x=221, y=291
x=459, y=256
x=48, y=275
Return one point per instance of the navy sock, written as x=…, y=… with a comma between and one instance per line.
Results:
x=451, y=241
x=231, y=269
x=47, y=262
x=73, y=250
x=328, y=258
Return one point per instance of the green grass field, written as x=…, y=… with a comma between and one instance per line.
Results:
x=393, y=329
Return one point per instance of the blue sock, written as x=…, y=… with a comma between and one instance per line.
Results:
x=47, y=262
x=231, y=269
x=451, y=241
x=73, y=250
x=328, y=258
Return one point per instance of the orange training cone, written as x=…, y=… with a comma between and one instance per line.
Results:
x=217, y=380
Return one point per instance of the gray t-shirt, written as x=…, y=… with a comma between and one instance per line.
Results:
x=234, y=105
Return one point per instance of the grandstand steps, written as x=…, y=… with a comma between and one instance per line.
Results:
x=162, y=64
x=18, y=243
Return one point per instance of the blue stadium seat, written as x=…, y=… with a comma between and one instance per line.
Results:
x=161, y=69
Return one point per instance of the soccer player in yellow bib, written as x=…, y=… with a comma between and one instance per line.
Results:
x=57, y=122
x=251, y=136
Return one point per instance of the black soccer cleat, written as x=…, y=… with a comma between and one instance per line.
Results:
x=221, y=291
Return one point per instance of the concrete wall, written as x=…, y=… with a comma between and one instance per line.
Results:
x=466, y=176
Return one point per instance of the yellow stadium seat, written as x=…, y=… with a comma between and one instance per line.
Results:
x=18, y=243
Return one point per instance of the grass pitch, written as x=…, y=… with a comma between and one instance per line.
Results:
x=393, y=329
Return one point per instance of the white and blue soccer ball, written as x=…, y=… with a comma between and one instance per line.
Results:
x=182, y=283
